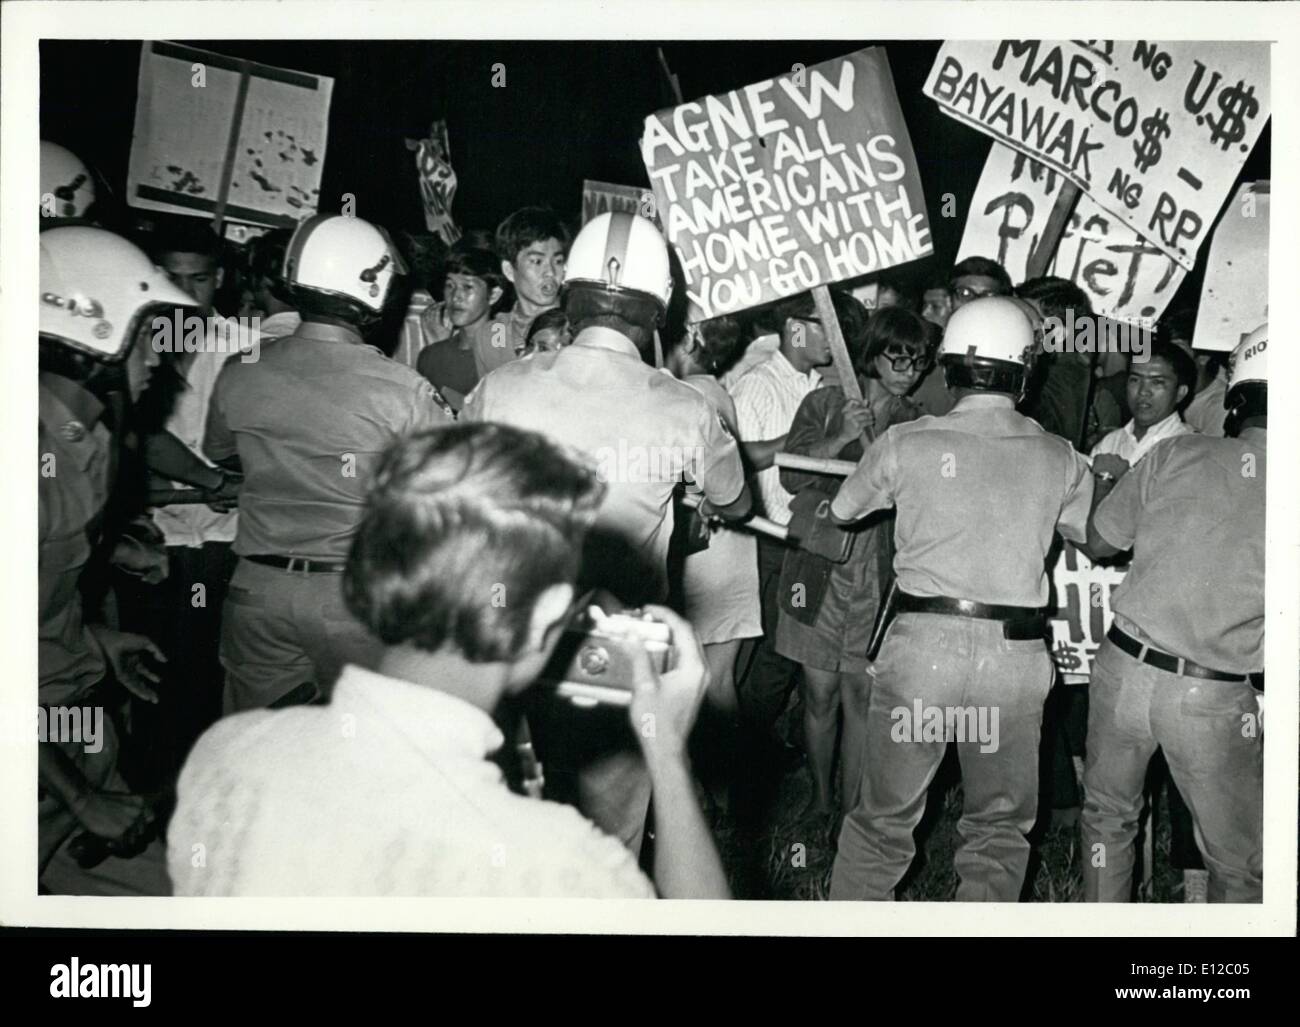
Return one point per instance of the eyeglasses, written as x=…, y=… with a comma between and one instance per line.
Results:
x=965, y=292
x=903, y=361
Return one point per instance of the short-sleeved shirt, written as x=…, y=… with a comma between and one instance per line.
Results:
x=73, y=471
x=767, y=398
x=388, y=790
x=979, y=493
x=450, y=368
x=1206, y=412
x=193, y=524
x=644, y=430
x=1193, y=513
x=1123, y=442
x=309, y=421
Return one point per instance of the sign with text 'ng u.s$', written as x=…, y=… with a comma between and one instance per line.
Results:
x=798, y=181
x=1154, y=132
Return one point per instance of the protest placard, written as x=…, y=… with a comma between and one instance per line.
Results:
x=604, y=197
x=1234, y=298
x=1083, y=593
x=437, y=181
x=787, y=184
x=1125, y=276
x=222, y=138
x=1154, y=132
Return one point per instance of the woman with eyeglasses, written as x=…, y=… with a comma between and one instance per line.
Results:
x=828, y=608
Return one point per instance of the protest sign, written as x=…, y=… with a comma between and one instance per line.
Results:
x=222, y=138
x=1125, y=276
x=787, y=184
x=1083, y=592
x=1154, y=132
x=437, y=181
x=1234, y=298
x=604, y=197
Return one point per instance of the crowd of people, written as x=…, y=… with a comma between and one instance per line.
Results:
x=322, y=581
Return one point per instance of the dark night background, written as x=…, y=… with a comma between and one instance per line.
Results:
x=569, y=111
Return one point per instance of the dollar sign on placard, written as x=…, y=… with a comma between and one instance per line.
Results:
x=1236, y=104
x=1065, y=657
x=1154, y=128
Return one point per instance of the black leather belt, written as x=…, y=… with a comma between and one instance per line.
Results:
x=1166, y=661
x=1019, y=623
x=297, y=563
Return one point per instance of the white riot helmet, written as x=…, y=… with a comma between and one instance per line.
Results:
x=618, y=265
x=1247, y=384
x=342, y=265
x=97, y=290
x=988, y=344
x=67, y=186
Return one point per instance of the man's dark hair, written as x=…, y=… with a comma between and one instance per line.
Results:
x=719, y=343
x=851, y=314
x=907, y=298
x=893, y=328
x=477, y=263
x=464, y=528
x=554, y=319
x=985, y=268
x=1053, y=296
x=526, y=226
x=266, y=259
x=185, y=235
x=1183, y=365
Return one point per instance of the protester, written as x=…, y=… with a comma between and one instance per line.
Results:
x=305, y=425
x=183, y=611
x=406, y=801
x=1064, y=386
x=1206, y=411
x=531, y=245
x=472, y=288
x=826, y=606
x=1180, y=662
x=549, y=331
x=1157, y=388
x=979, y=494
x=78, y=660
x=720, y=582
x=646, y=431
x=767, y=399
x=936, y=301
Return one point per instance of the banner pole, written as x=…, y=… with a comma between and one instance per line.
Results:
x=1039, y=260
x=232, y=145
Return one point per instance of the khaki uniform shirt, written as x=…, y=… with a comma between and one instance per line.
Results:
x=979, y=493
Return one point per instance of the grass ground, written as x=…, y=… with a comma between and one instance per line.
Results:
x=790, y=856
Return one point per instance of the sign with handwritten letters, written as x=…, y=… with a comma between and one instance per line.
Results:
x=794, y=182
x=1125, y=276
x=1154, y=132
x=1234, y=298
x=1083, y=592
x=437, y=181
x=604, y=197
x=188, y=113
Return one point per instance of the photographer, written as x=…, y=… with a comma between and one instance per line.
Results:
x=464, y=567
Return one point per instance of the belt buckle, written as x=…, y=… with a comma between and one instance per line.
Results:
x=299, y=564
